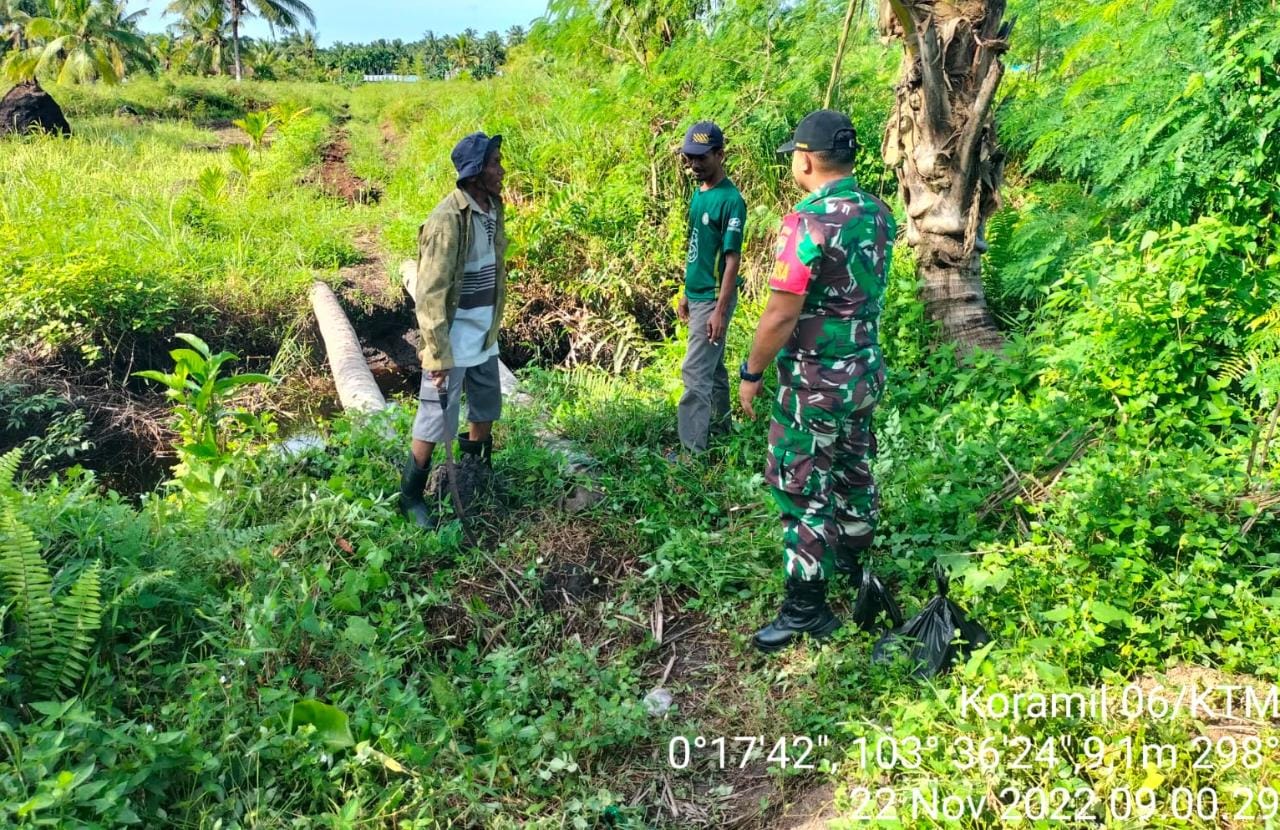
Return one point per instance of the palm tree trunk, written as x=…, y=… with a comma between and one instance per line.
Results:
x=941, y=138
x=235, y=35
x=829, y=99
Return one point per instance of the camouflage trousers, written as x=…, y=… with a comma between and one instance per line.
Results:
x=821, y=446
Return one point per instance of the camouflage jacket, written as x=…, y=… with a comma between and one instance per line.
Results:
x=835, y=249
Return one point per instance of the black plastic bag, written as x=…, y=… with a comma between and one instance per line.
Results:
x=873, y=600
x=928, y=637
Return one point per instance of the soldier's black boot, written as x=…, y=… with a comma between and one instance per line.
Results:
x=847, y=565
x=413, y=481
x=804, y=611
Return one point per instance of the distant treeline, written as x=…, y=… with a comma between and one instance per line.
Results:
x=88, y=40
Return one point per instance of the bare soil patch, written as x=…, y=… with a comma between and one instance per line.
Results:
x=128, y=432
x=577, y=563
x=810, y=809
x=225, y=135
x=335, y=178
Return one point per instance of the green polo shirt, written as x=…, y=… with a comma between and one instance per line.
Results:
x=717, y=219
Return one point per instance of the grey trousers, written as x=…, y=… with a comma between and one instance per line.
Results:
x=484, y=401
x=704, y=407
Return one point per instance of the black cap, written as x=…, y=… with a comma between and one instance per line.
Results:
x=822, y=130
x=470, y=154
x=702, y=138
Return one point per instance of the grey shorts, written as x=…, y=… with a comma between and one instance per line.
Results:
x=484, y=401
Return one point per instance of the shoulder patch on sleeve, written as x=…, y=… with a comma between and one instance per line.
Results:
x=789, y=273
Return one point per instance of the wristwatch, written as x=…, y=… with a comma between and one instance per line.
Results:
x=748, y=376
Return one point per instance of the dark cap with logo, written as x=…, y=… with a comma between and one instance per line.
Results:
x=822, y=130
x=471, y=153
x=702, y=138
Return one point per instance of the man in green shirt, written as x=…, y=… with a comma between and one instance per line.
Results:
x=717, y=220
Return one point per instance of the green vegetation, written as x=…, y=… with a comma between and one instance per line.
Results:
x=264, y=642
x=79, y=40
x=157, y=226
x=84, y=40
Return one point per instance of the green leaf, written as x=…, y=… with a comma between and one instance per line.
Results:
x=1050, y=673
x=174, y=382
x=245, y=379
x=1195, y=83
x=1058, y=614
x=52, y=708
x=191, y=359
x=330, y=722
x=1148, y=239
x=347, y=602
x=360, y=632
x=195, y=343
x=1108, y=614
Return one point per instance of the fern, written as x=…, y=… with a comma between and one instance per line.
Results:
x=141, y=583
x=1236, y=367
x=78, y=617
x=9, y=470
x=1266, y=330
x=52, y=639
x=27, y=585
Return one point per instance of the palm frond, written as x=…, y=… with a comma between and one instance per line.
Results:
x=285, y=13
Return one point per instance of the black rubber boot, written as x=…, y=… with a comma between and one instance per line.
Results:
x=804, y=611
x=482, y=450
x=413, y=480
x=847, y=565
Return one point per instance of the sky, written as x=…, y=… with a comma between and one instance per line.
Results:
x=366, y=20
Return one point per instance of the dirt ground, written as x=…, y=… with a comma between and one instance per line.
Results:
x=335, y=178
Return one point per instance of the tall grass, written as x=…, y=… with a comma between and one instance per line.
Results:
x=127, y=229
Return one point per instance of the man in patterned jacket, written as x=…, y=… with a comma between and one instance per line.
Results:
x=459, y=291
x=821, y=323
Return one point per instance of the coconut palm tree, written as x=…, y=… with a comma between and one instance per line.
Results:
x=435, y=56
x=265, y=59
x=490, y=54
x=941, y=138
x=82, y=40
x=165, y=48
x=285, y=14
x=13, y=23
x=203, y=31
x=462, y=52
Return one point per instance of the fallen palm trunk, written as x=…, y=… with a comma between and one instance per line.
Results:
x=357, y=390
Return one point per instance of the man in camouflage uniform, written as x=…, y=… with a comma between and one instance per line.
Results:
x=821, y=322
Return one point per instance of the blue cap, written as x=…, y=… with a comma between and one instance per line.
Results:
x=702, y=138
x=470, y=154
